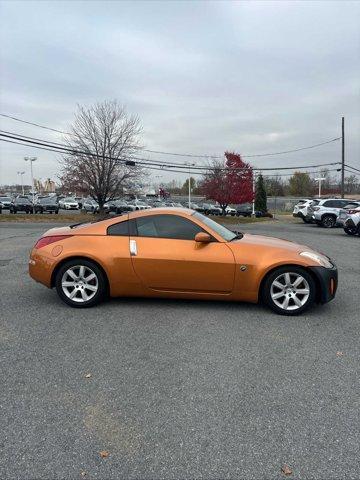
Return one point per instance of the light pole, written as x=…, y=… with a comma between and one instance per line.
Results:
x=190, y=165
x=320, y=179
x=158, y=188
x=22, y=182
x=31, y=160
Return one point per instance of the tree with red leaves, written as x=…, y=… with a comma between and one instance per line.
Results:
x=229, y=181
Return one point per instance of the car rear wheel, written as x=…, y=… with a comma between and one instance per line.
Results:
x=306, y=220
x=289, y=290
x=328, y=221
x=80, y=283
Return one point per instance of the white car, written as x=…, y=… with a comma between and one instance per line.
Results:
x=68, y=203
x=326, y=212
x=350, y=221
x=141, y=206
x=303, y=209
x=230, y=211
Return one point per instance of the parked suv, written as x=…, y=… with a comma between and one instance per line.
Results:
x=244, y=210
x=303, y=209
x=210, y=209
x=21, y=204
x=352, y=222
x=89, y=205
x=230, y=211
x=121, y=206
x=5, y=202
x=326, y=212
x=46, y=205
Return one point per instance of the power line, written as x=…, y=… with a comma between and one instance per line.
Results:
x=160, y=168
x=191, y=155
x=62, y=148
x=291, y=151
x=349, y=166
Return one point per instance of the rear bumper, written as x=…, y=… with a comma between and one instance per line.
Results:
x=41, y=267
x=327, y=280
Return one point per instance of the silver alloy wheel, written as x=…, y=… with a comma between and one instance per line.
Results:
x=290, y=291
x=328, y=221
x=79, y=283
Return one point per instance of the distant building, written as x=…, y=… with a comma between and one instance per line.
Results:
x=47, y=187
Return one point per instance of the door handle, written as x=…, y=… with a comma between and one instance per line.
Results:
x=133, y=248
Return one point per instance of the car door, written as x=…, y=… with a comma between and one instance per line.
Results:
x=166, y=257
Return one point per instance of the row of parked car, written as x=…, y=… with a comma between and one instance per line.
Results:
x=52, y=204
x=330, y=212
x=24, y=204
x=122, y=205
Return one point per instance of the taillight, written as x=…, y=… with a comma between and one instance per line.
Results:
x=353, y=211
x=316, y=209
x=48, y=240
x=332, y=286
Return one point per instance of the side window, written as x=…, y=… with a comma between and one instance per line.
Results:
x=167, y=226
x=328, y=203
x=120, y=229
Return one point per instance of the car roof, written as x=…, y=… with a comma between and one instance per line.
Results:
x=161, y=210
x=100, y=227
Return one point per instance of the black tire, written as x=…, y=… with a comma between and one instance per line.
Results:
x=306, y=220
x=266, y=297
x=328, y=221
x=56, y=212
x=101, y=280
x=350, y=231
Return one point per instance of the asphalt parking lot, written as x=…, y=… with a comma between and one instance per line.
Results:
x=178, y=389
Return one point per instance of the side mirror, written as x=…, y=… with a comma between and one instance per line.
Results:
x=202, y=237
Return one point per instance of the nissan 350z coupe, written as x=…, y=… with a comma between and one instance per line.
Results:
x=179, y=253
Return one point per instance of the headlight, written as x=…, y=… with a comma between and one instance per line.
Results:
x=319, y=258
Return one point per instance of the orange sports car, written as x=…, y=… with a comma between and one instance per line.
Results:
x=179, y=253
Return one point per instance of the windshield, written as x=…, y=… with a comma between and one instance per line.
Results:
x=22, y=200
x=47, y=200
x=5, y=199
x=69, y=199
x=226, y=234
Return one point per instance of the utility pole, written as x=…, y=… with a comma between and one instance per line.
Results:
x=342, y=156
x=22, y=182
x=189, y=180
x=253, y=202
x=31, y=160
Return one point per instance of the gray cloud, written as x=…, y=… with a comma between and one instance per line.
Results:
x=203, y=76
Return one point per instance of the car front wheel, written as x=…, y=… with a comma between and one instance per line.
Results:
x=80, y=283
x=350, y=230
x=289, y=290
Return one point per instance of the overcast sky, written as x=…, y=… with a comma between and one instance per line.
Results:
x=204, y=77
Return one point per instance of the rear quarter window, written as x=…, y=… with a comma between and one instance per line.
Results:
x=122, y=229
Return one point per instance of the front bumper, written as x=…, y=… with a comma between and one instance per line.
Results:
x=327, y=279
x=349, y=223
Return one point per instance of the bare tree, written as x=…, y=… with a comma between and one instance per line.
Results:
x=103, y=139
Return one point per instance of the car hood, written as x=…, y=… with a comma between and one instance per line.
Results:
x=269, y=242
